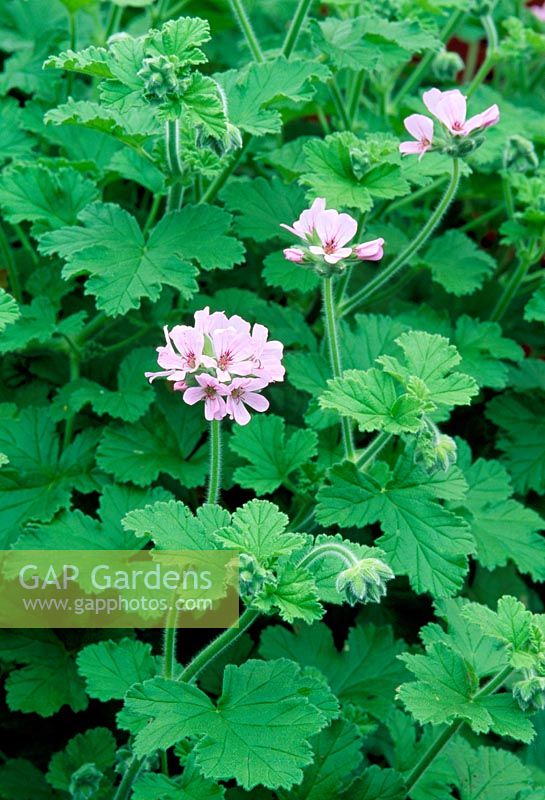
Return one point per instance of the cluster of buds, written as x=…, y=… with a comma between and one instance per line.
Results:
x=434, y=450
x=85, y=782
x=221, y=361
x=163, y=78
x=529, y=691
x=365, y=581
x=325, y=234
x=446, y=65
x=457, y=133
x=253, y=578
x=519, y=154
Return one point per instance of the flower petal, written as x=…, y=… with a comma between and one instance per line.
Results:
x=419, y=126
x=431, y=98
x=451, y=110
x=412, y=148
x=488, y=117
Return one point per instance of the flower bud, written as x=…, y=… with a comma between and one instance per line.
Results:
x=434, y=450
x=85, y=782
x=530, y=691
x=365, y=581
x=519, y=154
x=160, y=77
x=294, y=254
x=359, y=161
x=446, y=65
x=253, y=578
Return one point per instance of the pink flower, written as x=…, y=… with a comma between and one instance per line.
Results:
x=242, y=392
x=294, y=254
x=212, y=392
x=370, y=251
x=207, y=322
x=304, y=226
x=233, y=353
x=450, y=109
x=334, y=230
x=421, y=128
x=267, y=356
x=186, y=358
x=538, y=12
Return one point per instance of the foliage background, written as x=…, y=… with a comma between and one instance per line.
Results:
x=92, y=270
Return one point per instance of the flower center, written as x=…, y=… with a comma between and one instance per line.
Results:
x=330, y=246
x=210, y=392
x=224, y=360
x=236, y=394
x=457, y=126
x=191, y=360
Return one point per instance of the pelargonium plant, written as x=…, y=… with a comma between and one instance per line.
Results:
x=334, y=212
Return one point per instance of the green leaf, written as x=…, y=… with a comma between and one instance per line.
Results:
x=431, y=359
x=331, y=164
x=90, y=61
x=261, y=204
x=95, y=746
x=153, y=446
x=378, y=784
x=446, y=690
x=172, y=526
x=14, y=140
x=258, y=733
x=111, y=668
x=35, y=323
x=365, y=673
x=487, y=773
x=21, y=780
x=535, y=308
x=457, y=263
x=49, y=679
x=132, y=127
x=293, y=596
x=39, y=480
x=88, y=533
x=273, y=455
x=372, y=399
x=129, y=403
x=482, y=348
x=251, y=92
x=119, y=283
x=259, y=528
x=278, y=271
x=9, y=310
x=511, y=624
x=49, y=199
x=522, y=438
x=337, y=752
x=182, y=38
x=190, y=786
x=503, y=528
x=420, y=537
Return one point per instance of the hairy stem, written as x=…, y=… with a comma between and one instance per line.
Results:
x=340, y=105
x=448, y=733
x=368, y=455
x=221, y=643
x=239, y=12
x=413, y=247
x=172, y=146
x=511, y=288
x=332, y=548
x=335, y=357
x=74, y=362
x=125, y=787
x=490, y=58
x=214, y=478
x=212, y=190
x=297, y=23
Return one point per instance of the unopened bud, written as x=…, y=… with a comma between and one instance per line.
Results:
x=519, y=154
x=160, y=76
x=434, y=450
x=253, y=578
x=446, y=66
x=365, y=582
x=359, y=161
x=530, y=691
x=85, y=782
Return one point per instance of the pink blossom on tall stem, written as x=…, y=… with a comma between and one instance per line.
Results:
x=538, y=12
x=244, y=392
x=421, y=128
x=450, y=108
x=221, y=361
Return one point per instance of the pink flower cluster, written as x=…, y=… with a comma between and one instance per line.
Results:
x=326, y=233
x=450, y=108
x=222, y=361
x=538, y=12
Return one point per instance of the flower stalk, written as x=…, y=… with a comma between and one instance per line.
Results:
x=447, y=734
x=214, y=477
x=241, y=16
x=335, y=357
x=412, y=248
x=174, y=162
x=297, y=23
